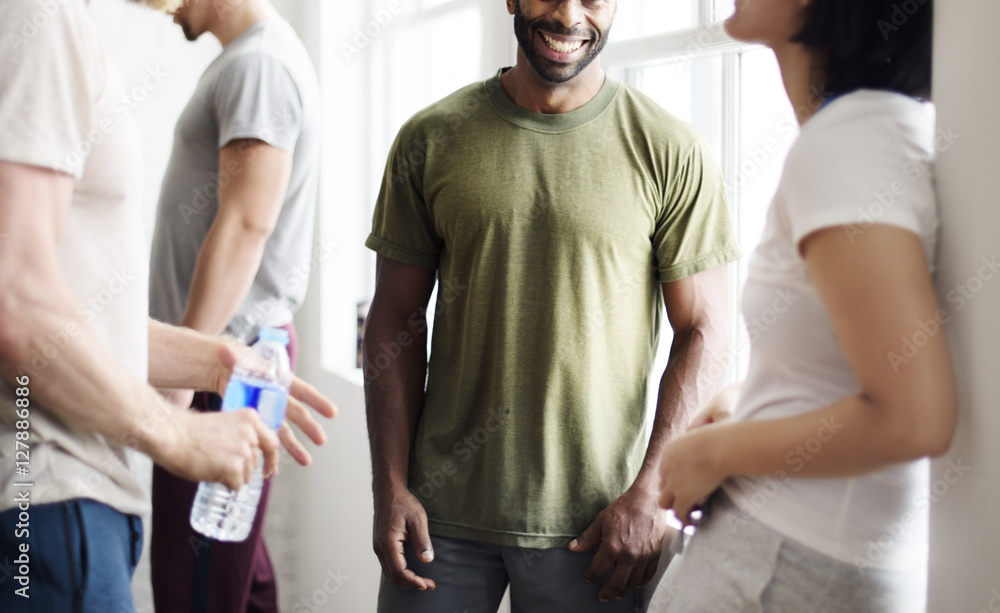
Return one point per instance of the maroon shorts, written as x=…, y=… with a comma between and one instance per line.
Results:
x=195, y=574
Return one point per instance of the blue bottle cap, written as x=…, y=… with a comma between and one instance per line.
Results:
x=274, y=334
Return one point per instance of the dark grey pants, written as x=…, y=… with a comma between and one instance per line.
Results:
x=471, y=577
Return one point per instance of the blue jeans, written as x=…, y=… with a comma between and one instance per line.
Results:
x=81, y=558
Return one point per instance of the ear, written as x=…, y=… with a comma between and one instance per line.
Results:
x=511, y=6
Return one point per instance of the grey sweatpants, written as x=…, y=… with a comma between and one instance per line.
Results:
x=471, y=578
x=742, y=566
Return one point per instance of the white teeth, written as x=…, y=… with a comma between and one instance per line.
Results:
x=560, y=46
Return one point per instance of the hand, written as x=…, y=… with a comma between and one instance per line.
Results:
x=689, y=472
x=301, y=396
x=720, y=408
x=181, y=399
x=630, y=533
x=216, y=447
x=400, y=517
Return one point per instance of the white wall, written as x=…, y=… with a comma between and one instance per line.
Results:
x=965, y=532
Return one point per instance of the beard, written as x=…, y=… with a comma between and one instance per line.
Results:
x=551, y=71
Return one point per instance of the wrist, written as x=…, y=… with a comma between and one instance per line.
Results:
x=158, y=431
x=389, y=486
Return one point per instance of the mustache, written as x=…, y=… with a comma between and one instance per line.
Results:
x=557, y=28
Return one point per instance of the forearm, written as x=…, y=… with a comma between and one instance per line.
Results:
x=83, y=385
x=684, y=388
x=180, y=358
x=847, y=438
x=393, y=393
x=226, y=267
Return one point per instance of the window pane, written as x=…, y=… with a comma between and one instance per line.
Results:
x=767, y=130
x=723, y=9
x=690, y=90
x=422, y=65
x=637, y=18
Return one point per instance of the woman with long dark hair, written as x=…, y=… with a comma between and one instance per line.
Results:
x=815, y=490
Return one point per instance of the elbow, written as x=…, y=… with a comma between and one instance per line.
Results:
x=930, y=435
x=253, y=230
x=936, y=443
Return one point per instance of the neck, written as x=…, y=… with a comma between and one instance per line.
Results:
x=528, y=90
x=803, y=76
x=236, y=18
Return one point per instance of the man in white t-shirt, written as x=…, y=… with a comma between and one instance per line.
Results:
x=76, y=347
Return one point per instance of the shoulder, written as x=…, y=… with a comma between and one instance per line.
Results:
x=448, y=113
x=644, y=118
x=866, y=131
x=49, y=28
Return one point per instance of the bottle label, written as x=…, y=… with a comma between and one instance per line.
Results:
x=267, y=398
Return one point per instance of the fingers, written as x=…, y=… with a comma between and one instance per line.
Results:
x=390, y=550
x=617, y=584
x=589, y=538
x=421, y=538
x=302, y=391
x=601, y=564
x=267, y=440
x=299, y=414
x=292, y=444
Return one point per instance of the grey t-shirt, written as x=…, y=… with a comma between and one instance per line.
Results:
x=262, y=86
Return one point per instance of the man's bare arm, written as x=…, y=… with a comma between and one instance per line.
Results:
x=250, y=200
x=394, y=396
x=35, y=301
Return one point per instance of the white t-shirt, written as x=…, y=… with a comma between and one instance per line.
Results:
x=863, y=159
x=61, y=107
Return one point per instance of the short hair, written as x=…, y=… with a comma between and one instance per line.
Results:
x=873, y=44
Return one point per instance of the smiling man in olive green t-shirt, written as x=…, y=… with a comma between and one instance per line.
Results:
x=561, y=211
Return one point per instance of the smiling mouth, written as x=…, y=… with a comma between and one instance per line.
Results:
x=562, y=46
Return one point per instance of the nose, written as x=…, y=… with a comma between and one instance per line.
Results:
x=568, y=12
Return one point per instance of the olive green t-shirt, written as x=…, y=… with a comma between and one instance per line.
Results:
x=551, y=235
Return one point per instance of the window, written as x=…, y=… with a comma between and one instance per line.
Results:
x=676, y=52
x=730, y=92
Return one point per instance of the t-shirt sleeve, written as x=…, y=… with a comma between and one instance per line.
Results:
x=853, y=177
x=257, y=97
x=51, y=72
x=403, y=229
x=694, y=231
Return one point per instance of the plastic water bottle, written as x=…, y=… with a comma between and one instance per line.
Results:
x=260, y=381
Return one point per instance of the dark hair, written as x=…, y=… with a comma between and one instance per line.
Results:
x=875, y=44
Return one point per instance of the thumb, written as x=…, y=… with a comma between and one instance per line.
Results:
x=588, y=539
x=421, y=539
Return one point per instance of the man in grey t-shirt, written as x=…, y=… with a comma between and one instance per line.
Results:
x=233, y=237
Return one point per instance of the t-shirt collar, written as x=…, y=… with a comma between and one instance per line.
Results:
x=542, y=122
